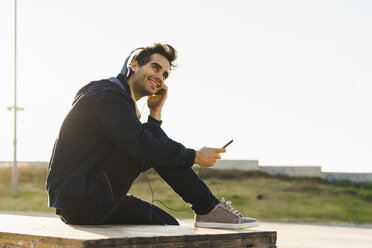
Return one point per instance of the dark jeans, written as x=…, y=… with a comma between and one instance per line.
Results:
x=131, y=210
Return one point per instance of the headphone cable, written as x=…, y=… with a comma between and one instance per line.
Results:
x=155, y=200
x=152, y=192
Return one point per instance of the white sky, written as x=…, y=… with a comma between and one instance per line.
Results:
x=289, y=81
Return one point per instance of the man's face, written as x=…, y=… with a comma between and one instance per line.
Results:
x=149, y=78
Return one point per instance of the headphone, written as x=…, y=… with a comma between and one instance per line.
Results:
x=126, y=68
x=125, y=71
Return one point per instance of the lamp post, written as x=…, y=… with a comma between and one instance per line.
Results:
x=15, y=109
x=15, y=168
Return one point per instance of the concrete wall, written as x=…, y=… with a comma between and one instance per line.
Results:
x=293, y=171
x=245, y=165
x=252, y=165
x=24, y=164
x=354, y=177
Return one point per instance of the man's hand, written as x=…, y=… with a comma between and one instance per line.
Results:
x=156, y=103
x=208, y=156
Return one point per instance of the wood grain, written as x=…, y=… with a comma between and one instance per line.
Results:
x=39, y=232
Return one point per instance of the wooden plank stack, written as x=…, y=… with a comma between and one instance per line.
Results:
x=39, y=232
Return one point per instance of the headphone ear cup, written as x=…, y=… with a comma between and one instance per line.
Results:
x=126, y=68
x=128, y=71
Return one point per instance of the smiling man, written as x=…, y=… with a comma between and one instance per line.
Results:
x=102, y=147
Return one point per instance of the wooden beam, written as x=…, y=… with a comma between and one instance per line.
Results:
x=36, y=231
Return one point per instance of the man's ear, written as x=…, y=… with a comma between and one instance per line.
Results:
x=134, y=65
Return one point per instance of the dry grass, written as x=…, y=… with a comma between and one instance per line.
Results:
x=283, y=198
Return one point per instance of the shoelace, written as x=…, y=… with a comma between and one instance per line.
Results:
x=227, y=206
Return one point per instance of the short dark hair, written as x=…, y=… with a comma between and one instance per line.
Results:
x=144, y=56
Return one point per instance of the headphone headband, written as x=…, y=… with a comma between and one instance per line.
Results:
x=126, y=69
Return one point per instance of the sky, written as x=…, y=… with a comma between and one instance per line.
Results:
x=289, y=81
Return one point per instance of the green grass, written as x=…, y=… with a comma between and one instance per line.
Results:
x=284, y=199
x=32, y=195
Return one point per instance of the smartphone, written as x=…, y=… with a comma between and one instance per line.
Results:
x=158, y=92
x=231, y=141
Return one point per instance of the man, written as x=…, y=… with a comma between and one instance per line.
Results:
x=102, y=147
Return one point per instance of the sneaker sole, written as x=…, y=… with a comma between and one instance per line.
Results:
x=225, y=225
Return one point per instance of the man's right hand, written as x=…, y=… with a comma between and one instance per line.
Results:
x=208, y=156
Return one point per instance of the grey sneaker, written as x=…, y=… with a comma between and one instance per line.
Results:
x=224, y=216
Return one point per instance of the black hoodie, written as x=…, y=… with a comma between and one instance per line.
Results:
x=102, y=147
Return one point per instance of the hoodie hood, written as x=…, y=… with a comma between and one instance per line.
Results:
x=80, y=93
x=119, y=81
x=101, y=83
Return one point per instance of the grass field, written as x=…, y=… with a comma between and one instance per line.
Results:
x=283, y=199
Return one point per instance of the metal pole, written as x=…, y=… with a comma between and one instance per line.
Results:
x=15, y=169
